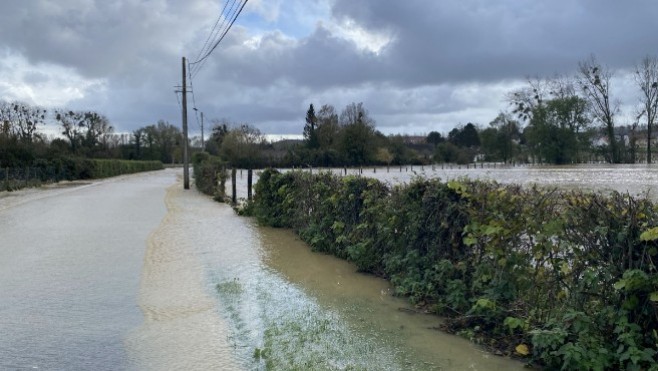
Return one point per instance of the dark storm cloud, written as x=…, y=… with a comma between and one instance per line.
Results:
x=451, y=41
x=443, y=60
x=97, y=38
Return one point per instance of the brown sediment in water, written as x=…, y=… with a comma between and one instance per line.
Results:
x=368, y=304
x=181, y=328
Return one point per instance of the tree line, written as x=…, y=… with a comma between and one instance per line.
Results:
x=560, y=120
x=566, y=119
x=83, y=134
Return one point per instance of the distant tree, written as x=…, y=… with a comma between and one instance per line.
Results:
x=466, y=136
x=310, y=136
x=526, y=99
x=219, y=130
x=162, y=142
x=554, y=130
x=138, y=140
x=355, y=113
x=169, y=139
x=489, y=143
x=594, y=81
x=327, y=129
x=84, y=130
x=401, y=153
x=646, y=77
x=499, y=140
x=72, y=127
x=21, y=120
x=241, y=146
x=448, y=152
x=358, y=141
x=434, y=138
x=384, y=155
x=97, y=129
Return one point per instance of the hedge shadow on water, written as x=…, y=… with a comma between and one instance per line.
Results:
x=564, y=279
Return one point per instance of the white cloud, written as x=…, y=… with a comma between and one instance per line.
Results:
x=364, y=39
x=43, y=84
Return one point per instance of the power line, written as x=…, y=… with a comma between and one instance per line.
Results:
x=178, y=99
x=233, y=18
x=194, y=107
x=216, y=34
x=212, y=31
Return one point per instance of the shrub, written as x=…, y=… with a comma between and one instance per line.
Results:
x=564, y=278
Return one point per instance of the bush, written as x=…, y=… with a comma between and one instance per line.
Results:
x=566, y=279
x=210, y=175
x=70, y=168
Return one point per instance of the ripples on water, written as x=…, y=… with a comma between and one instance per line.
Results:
x=265, y=319
x=217, y=291
x=70, y=261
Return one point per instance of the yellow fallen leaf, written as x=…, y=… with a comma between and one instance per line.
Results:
x=522, y=349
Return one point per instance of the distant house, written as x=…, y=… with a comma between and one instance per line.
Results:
x=414, y=139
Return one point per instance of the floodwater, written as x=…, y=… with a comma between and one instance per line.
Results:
x=639, y=179
x=70, y=266
x=135, y=273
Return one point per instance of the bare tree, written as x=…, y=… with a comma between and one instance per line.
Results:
x=84, y=129
x=594, y=81
x=355, y=113
x=526, y=99
x=327, y=128
x=21, y=120
x=646, y=77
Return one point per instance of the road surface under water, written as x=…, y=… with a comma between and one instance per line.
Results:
x=70, y=268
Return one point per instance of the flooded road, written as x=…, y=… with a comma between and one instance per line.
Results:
x=70, y=266
x=135, y=273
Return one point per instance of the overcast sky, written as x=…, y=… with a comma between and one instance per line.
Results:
x=417, y=65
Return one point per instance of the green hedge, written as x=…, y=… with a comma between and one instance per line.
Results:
x=70, y=168
x=563, y=278
x=95, y=169
x=210, y=175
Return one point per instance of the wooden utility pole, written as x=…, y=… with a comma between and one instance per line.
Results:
x=203, y=145
x=186, y=170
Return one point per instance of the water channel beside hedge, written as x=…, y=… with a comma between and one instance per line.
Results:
x=564, y=279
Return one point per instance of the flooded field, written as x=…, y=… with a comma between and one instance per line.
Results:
x=635, y=179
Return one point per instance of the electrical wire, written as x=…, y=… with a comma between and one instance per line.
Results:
x=178, y=99
x=221, y=27
x=227, y=16
x=201, y=61
x=212, y=31
x=194, y=107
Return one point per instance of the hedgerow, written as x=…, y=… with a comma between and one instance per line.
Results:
x=564, y=279
x=70, y=168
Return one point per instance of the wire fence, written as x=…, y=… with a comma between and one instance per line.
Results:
x=13, y=178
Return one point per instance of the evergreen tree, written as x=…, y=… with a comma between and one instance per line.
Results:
x=310, y=136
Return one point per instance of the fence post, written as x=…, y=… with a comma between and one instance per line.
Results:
x=234, y=197
x=249, y=182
